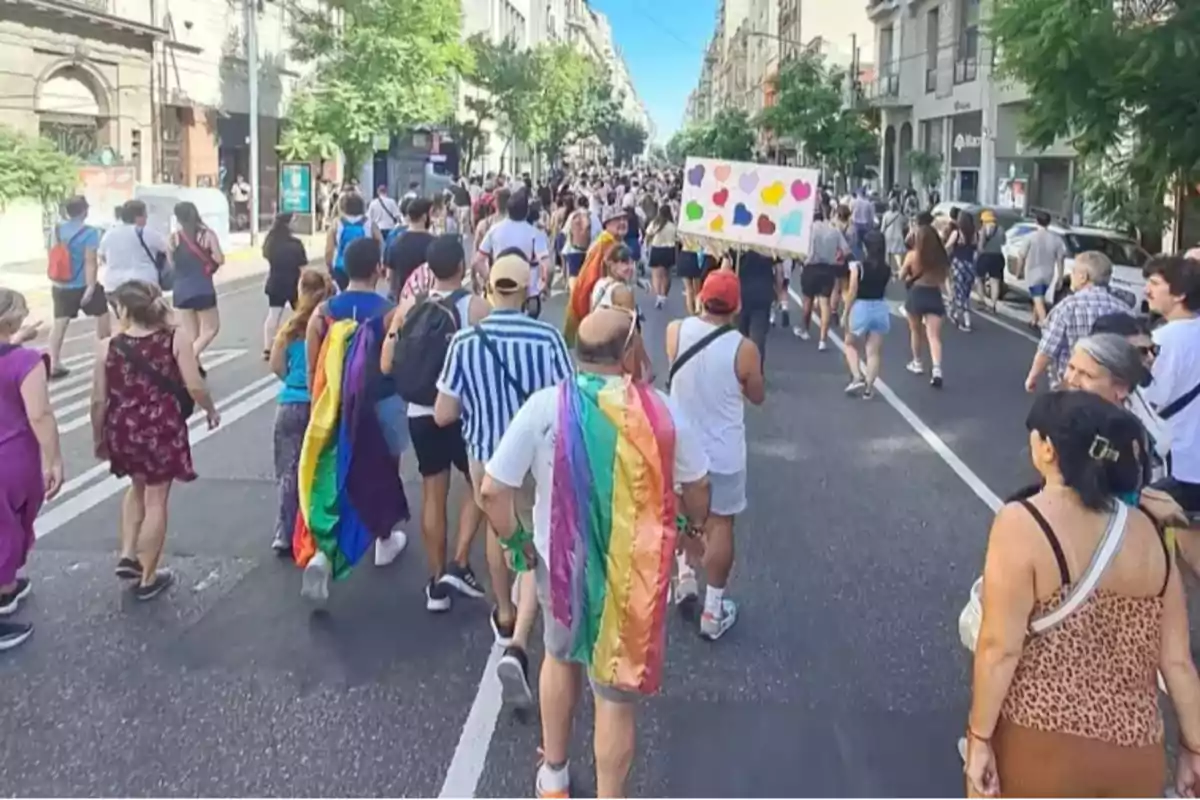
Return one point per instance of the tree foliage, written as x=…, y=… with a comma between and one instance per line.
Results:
x=1118, y=80
x=927, y=167
x=729, y=135
x=380, y=66
x=32, y=168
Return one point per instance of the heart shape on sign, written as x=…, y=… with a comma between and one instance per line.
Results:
x=723, y=172
x=773, y=194
x=694, y=211
x=721, y=197
x=765, y=226
x=748, y=182
x=801, y=190
x=742, y=215
x=792, y=224
x=696, y=175
x=717, y=225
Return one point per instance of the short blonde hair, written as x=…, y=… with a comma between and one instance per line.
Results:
x=13, y=310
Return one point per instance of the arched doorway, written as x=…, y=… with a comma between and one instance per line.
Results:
x=73, y=111
x=906, y=146
x=889, y=159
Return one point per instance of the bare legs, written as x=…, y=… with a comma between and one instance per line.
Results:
x=271, y=327
x=144, y=525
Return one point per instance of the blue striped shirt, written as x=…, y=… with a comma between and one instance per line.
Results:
x=535, y=356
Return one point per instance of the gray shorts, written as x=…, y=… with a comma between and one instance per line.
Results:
x=728, y=493
x=556, y=638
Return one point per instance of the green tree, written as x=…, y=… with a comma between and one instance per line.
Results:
x=926, y=167
x=470, y=133
x=509, y=76
x=729, y=136
x=626, y=138
x=31, y=168
x=1118, y=80
x=380, y=66
x=572, y=95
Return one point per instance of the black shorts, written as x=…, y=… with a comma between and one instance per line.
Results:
x=662, y=257
x=1187, y=495
x=818, y=280
x=990, y=265
x=201, y=302
x=277, y=298
x=687, y=265
x=574, y=263
x=69, y=302
x=437, y=448
x=925, y=301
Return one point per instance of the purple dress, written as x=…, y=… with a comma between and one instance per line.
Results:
x=21, y=488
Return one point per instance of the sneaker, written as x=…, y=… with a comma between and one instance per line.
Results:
x=771, y=321
x=822, y=345
x=553, y=783
x=281, y=544
x=386, y=550
x=713, y=628
x=163, y=579
x=687, y=590
x=437, y=597
x=785, y=318
x=660, y=302
x=55, y=374
x=461, y=578
x=855, y=386
x=503, y=633
x=801, y=333
x=14, y=634
x=513, y=672
x=12, y=600
x=314, y=586
x=915, y=367
x=129, y=569
x=868, y=393
x=935, y=379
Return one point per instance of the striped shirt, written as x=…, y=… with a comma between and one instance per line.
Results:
x=535, y=356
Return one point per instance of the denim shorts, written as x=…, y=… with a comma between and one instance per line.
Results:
x=1038, y=289
x=870, y=316
x=392, y=413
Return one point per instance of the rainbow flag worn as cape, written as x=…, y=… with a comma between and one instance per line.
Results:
x=580, y=304
x=612, y=527
x=349, y=484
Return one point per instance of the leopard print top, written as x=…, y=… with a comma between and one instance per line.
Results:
x=1093, y=674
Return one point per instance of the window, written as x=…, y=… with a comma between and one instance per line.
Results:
x=933, y=24
x=887, y=40
x=966, y=57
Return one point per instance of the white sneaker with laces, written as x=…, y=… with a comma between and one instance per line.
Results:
x=386, y=550
x=822, y=345
x=915, y=367
x=314, y=586
x=687, y=590
x=855, y=386
x=801, y=333
x=712, y=627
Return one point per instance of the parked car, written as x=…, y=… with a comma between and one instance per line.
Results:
x=1127, y=256
x=1005, y=217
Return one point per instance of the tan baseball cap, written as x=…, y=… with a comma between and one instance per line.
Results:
x=509, y=275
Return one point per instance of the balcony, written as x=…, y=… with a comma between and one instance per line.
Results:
x=884, y=92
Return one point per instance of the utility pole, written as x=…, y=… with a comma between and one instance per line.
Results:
x=252, y=59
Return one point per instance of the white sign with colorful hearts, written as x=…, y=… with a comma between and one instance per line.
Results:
x=762, y=207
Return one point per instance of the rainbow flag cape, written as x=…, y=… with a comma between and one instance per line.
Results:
x=349, y=483
x=613, y=527
x=580, y=304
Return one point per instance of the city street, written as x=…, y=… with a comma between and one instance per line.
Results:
x=844, y=676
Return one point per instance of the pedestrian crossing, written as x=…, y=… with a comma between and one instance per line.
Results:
x=70, y=397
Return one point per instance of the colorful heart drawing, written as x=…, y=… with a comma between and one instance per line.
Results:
x=696, y=175
x=792, y=224
x=721, y=197
x=773, y=194
x=742, y=215
x=748, y=182
x=801, y=190
x=723, y=172
x=717, y=225
x=765, y=226
x=694, y=211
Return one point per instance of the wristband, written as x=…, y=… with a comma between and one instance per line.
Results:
x=973, y=735
x=515, y=546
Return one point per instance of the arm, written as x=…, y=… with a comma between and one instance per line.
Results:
x=447, y=410
x=189, y=368
x=99, y=405
x=387, y=353
x=172, y=243
x=1052, y=343
x=313, y=336
x=330, y=245
x=214, y=248
x=672, y=340
x=749, y=372
x=35, y=393
x=1179, y=672
x=479, y=309
x=91, y=271
x=278, y=359
x=510, y=464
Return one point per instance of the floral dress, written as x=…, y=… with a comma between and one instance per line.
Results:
x=144, y=429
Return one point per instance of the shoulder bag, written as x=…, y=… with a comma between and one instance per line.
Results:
x=490, y=346
x=695, y=350
x=187, y=404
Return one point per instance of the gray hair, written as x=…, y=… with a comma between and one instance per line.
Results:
x=13, y=310
x=1099, y=267
x=1115, y=354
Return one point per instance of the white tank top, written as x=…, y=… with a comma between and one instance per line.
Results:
x=463, y=306
x=602, y=292
x=707, y=390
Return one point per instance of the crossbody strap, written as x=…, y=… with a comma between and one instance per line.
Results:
x=1110, y=543
x=176, y=390
x=490, y=346
x=1180, y=403
x=695, y=350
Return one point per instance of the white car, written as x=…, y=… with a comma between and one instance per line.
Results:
x=1127, y=257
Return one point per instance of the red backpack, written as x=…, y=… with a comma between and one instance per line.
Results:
x=58, y=268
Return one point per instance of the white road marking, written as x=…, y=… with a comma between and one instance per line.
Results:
x=470, y=755
x=208, y=581
x=1008, y=326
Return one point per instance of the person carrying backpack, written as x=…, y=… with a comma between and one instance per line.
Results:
x=74, y=273
x=352, y=225
x=414, y=354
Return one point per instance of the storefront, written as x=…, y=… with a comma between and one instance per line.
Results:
x=966, y=145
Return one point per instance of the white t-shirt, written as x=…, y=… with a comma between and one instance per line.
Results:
x=528, y=444
x=1176, y=372
x=384, y=213
x=123, y=259
x=525, y=237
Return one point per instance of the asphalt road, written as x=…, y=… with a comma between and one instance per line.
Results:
x=844, y=676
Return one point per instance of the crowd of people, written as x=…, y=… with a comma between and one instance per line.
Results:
x=602, y=499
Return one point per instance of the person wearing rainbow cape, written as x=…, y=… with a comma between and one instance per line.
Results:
x=594, y=268
x=606, y=453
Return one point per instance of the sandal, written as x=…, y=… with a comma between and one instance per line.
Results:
x=129, y=569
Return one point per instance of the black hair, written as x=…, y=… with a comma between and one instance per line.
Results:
x=924, y=218
x=875, y=245
x=445, y=256
x=76, y=207
x=405, y=205
x=619, y=254
x=583, y=201
x=281, y=229
x=1042, y=218
x=131, y=210
x=352, y=204
x=1182, y=276
x=664, y=215
x=535, y=212
x=518, y=206
x=189, y=219
x=954, y=212
x=966, y=228
x=418, y=209
x=1122, y=324
x=1097, y=443
x=362, y=258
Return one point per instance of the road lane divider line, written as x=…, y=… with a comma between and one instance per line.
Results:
x=968, y=476
x=1008, y=326
x=470, y=755
x=196, y=433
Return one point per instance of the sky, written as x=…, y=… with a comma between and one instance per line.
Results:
x=663, y=43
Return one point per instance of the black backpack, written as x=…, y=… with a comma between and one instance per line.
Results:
x=422, y=346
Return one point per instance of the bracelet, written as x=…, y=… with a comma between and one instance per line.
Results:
x=971, y=734
x=517, y=541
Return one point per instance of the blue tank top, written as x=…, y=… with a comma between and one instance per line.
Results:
x=365, y=307
x=295, y=380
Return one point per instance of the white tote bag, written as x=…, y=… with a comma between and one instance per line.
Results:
x=972, y=614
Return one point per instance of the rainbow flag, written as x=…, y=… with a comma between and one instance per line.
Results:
x=612, y=527
x=580, y=303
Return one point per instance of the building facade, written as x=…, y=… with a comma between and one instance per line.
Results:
x=936, y=93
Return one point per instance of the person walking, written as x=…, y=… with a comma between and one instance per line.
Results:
x=895, y=228
x=79, y=289
x=661, y=234
x=195, y=256
x=989, y=264
x=385, y=215
x=352, y=225
x=131, y=251
x=868, y=316
x=761, y=284
x=285, y=257
x=962, y=245
x=924, y=272
x=819, y=276
x=1042, y=254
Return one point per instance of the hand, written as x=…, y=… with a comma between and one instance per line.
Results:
x=87, y=294
x=29, y=332
x=213, y=417
x=52, y=478
x=1162, y=507
x=982, y=778
x=1186, y=772
x=1031, y=383
x=100, y=449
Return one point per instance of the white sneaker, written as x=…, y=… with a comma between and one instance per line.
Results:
x=855, y=386
x=915, y=367
x=659, y=302
x=822, y=345
x=386, y=550
x=687, y=590
x=712, y=627
x=314, y=586
x=801, y=333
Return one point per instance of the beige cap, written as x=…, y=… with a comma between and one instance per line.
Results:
x=509, y=275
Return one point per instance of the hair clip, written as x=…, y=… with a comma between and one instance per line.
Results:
x=1102, y=450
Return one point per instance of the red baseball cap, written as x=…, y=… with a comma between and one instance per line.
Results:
x=721, y=292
